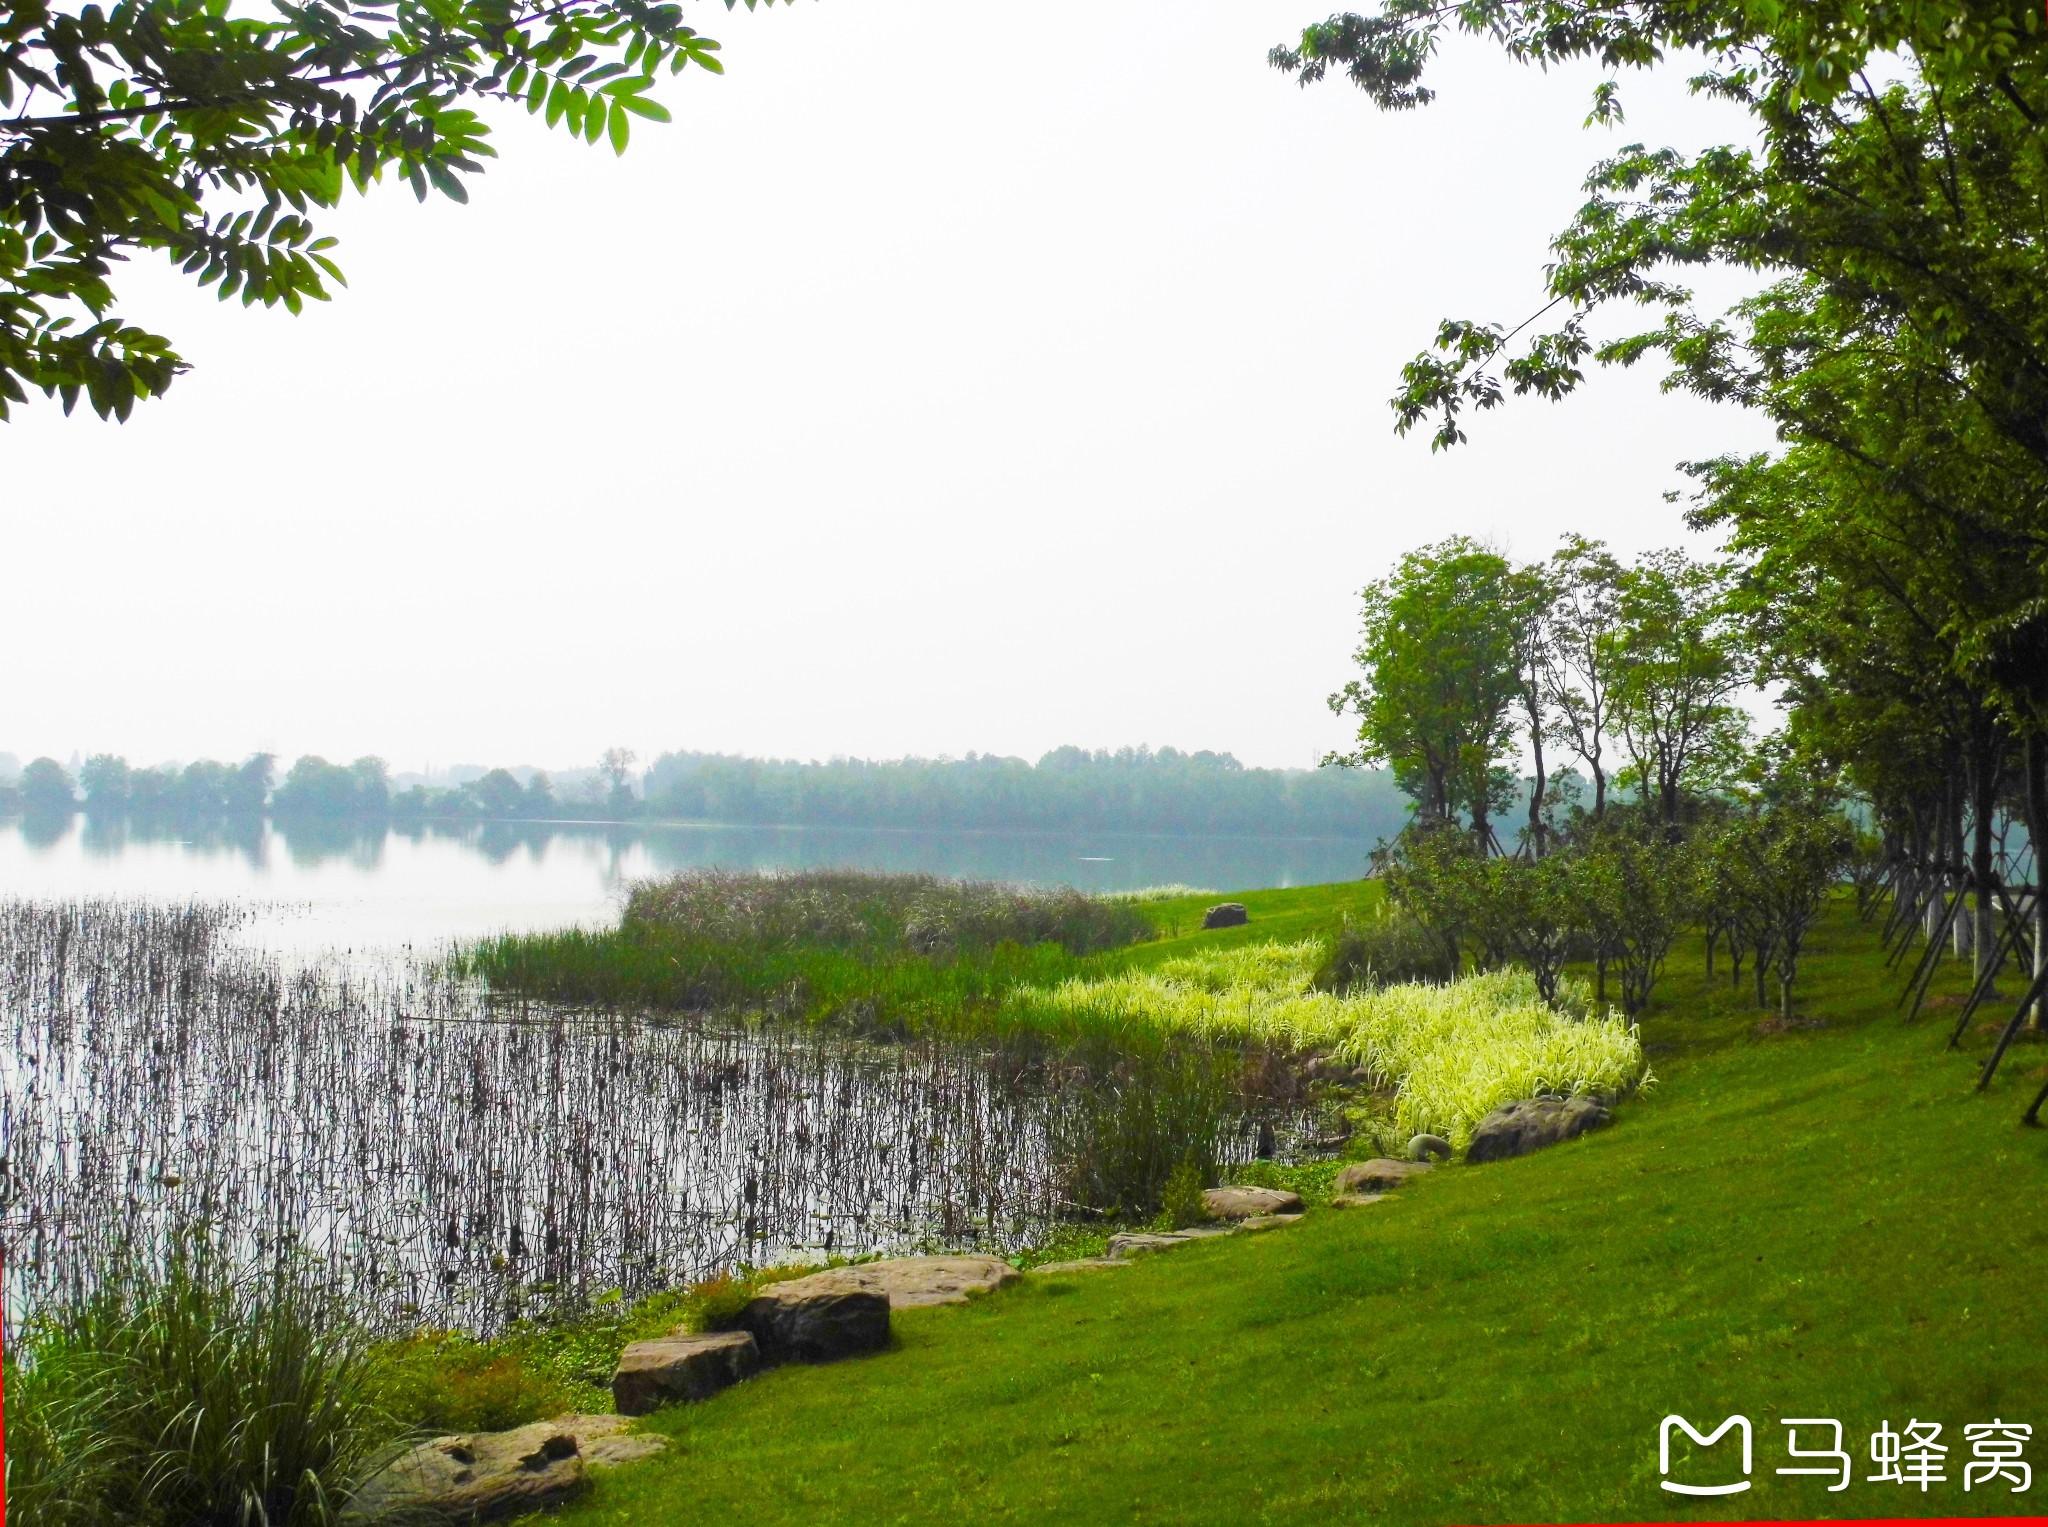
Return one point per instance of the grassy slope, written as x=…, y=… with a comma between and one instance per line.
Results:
x=1822, y=1223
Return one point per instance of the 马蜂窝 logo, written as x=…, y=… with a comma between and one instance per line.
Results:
x=1733, y=1423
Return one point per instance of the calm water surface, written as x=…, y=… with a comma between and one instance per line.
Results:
x=340, y=888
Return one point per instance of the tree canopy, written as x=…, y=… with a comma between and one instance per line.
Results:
x=212, y=136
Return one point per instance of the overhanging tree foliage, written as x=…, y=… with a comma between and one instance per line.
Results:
x=200, y=131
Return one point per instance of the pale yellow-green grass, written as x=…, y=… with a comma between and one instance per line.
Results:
x=1454, y=1053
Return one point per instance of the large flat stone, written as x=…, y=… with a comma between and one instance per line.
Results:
x=1516, y=1129
x=1135, y=1242
x=681, y=1367
x=915, y=1282
x=1250, y=1203
x=1354, y=1200
x=1379, y=1176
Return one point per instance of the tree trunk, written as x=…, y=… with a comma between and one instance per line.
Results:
x=1536, y=799
x=2036, y=797
x=1989, y=767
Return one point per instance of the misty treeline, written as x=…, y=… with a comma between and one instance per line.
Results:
x=1069, y=789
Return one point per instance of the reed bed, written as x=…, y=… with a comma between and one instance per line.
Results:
x=465, y=1163
x=1454, y=1052
x=878, y=914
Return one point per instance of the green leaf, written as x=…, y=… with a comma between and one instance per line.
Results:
x=446, y=183
x=640, y=106
x=621, y=127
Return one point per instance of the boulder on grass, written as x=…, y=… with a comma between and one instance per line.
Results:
x=1249, y=1203
x=681, y=1367
x=816, y=1319
x=480, y=1477
x=1226, y=914
x=1378, y=1176
x=1519, y=1128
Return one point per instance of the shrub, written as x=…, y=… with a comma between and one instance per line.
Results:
x=1181, y=1201
x=1386, y=951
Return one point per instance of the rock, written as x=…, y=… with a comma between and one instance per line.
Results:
x=1269, y=1221
x=481, y=1477
x=607, y=1440
x=1426, y=1147
x=817, y=1319
x=911, y=1283
x=1354, y=1200
x=1377, y=1176
x=1133, y=1241
x=681, y=1367
x=1080, y=1264
x=1248, y=1203
x=1519, y=1128
x=1227, y=914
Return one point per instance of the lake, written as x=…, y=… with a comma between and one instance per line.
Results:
x=342, y=887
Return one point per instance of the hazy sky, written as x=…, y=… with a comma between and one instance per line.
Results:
x=945, y=378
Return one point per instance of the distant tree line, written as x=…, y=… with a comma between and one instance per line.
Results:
x=1068, y=790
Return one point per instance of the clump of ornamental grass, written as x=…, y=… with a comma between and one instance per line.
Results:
x=187, y=1390
x=1454, y=1052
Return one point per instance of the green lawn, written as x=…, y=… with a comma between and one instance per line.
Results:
x=1821, y=1223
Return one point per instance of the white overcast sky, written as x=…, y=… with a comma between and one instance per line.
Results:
x=944, y=378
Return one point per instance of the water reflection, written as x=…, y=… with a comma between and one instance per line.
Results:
x=380, y=886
